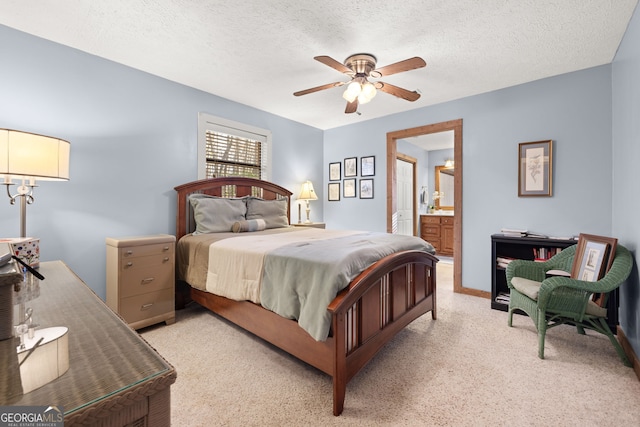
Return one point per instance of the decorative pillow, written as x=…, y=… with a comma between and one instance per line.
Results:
x=248, y=225
x=215, y=214
x=274, y=212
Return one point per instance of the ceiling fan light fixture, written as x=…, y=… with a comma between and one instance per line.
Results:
x=368, y=90
x=360, y=67
x=352, y=92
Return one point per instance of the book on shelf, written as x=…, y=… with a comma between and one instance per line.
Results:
x=503, y=297
x=512, y=232
x=564, y=237
x=537, y=235
x=543, y=253
x=503, y=261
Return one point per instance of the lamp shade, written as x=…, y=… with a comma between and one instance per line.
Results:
x=307, y=192
x=28, y=155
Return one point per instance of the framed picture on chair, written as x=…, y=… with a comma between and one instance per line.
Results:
x=593, y=258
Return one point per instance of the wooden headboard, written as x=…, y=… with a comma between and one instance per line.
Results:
x=224, y=187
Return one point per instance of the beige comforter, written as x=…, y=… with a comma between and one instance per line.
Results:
x=193, y=254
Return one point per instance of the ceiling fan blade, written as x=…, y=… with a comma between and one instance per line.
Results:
x=398, y=67
x=398, y=91
x=352, y=107
x=327, y=60
x=318, y=88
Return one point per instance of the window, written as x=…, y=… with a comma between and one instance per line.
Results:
x=227, y=148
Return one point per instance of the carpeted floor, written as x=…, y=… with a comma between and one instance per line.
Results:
x=467, y=368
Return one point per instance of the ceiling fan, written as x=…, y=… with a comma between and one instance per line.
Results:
x=360, y=67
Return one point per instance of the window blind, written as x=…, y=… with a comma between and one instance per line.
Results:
x=230, y=155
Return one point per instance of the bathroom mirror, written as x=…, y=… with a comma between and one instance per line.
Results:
x=444, y=184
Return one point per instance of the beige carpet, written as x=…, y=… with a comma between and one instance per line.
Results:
x=467, y=368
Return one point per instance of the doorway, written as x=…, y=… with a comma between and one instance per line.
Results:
x=392, y=192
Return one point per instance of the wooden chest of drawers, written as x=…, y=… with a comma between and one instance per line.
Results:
x=141, y=279
x=438, y=230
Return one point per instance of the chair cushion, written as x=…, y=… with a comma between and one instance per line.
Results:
x=531, y=288
x=527, y=287
x=595, y=310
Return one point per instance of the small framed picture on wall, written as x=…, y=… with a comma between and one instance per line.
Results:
x=335, y=171
x=334, y=191
x=368, y=166
x=535, y=165
x=349, y=187
x=366, y=188
x=351, y=166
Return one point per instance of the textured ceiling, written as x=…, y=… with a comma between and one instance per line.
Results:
x=259, y=52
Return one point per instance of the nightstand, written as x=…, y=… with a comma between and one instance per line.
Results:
x=309, y=224
x=141, y=279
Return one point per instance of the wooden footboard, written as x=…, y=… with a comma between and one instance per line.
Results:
x=365, y=316
x=380, y=302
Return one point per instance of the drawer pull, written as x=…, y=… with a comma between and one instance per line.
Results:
x=129, y=264
x=147, y=280
x=146, y=306
x=165, y=259
x=129, y=252
x=166, y=248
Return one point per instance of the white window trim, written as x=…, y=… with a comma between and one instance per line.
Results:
x=211, y=122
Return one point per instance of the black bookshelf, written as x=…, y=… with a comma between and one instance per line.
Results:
x=523, y=248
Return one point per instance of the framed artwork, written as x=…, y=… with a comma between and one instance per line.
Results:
x=349, y=188
x=350, y=166
x=335, y=171
x=366, y=188
x=535, y=164
x=334, y=191
x=368, y=166
x=593, y=258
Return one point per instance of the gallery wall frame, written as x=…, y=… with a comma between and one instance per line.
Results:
x=335, y=171
x=350, y=166
x=368, y=166
x=334, y=192
x=349, y=188
x=366, y=188
x=535, y=165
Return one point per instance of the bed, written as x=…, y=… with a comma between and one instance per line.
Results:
x=367, y=313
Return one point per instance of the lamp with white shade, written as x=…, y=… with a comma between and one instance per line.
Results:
x=29, y=157
x=307, y=193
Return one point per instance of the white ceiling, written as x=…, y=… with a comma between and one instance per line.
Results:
x=258, y=52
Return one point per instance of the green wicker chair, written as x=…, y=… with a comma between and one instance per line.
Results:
x=560, y=300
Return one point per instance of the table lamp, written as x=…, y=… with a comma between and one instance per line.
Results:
x=30, y=157
x=307, y=193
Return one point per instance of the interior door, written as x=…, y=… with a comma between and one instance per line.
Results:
x=405, y=197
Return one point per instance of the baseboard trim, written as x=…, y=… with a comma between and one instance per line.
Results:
x=628, y=350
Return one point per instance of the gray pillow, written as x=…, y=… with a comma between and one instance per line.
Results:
x=274, y=212
x=215, y=214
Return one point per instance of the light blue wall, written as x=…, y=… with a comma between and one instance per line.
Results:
x=573, y=110
x=133, y=138
x=625, y=198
